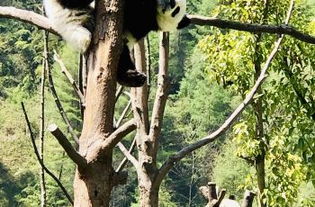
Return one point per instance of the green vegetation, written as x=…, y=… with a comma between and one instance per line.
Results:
x=211, y=71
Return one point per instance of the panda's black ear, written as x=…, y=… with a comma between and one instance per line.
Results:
x=183, y=23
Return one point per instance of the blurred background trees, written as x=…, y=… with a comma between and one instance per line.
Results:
x=211, y=70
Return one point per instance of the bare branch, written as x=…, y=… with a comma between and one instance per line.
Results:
x=226, y=125
x=69, y=77
x=28, y=17
x=67, y=146
x=42, y=120
x=254, y=28
x=161, y=93
x=118, y=134
x=123, y=114
x=119, y=92
x=128, y=156
x=40, y=160
x=59, y=105
x=125, y=160
x=140, y=95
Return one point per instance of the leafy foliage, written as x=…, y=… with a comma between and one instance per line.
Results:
x=286, y=100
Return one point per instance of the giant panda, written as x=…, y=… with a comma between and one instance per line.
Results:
x=73, y=20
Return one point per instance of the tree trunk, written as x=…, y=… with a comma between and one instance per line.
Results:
x=92, y=188
x=260, y=170
x=94, y=182
x=260, y=135
x=149, y=195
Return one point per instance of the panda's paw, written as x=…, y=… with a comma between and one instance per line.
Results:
x=132, y=78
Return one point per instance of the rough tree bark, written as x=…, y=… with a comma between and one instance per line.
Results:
x=94, y=181
x=95, y=176
x=148, y=193
x=148, y=135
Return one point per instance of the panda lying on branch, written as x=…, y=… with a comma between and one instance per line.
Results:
x=73, y=20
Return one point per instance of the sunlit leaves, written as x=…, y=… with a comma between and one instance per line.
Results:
x=287, y=97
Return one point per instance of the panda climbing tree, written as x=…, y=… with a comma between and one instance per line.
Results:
x=74, y=21
x=95, y=176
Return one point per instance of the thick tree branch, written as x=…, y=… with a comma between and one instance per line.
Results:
x=254, y=28
x=39, y=158
x=67, y=146
x=226, y=125
x=162, y=91
x=110, y=142
x=28, y=17
x=118, y=134
x=140, y=95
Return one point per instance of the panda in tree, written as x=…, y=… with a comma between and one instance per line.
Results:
x=73, y=20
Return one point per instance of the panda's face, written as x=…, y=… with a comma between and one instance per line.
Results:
x=170, y=13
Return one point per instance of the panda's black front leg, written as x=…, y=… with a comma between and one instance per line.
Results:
x=127, y=75
x=184, y=22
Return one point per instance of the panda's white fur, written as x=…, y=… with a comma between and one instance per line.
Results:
x=166, y=22
x=68, y=22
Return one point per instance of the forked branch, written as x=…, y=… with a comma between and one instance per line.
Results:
x=118, y=134
x=111, y=141
x=226, y=125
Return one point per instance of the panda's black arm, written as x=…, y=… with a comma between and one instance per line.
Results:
x=184, y=22
x=75, y=4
